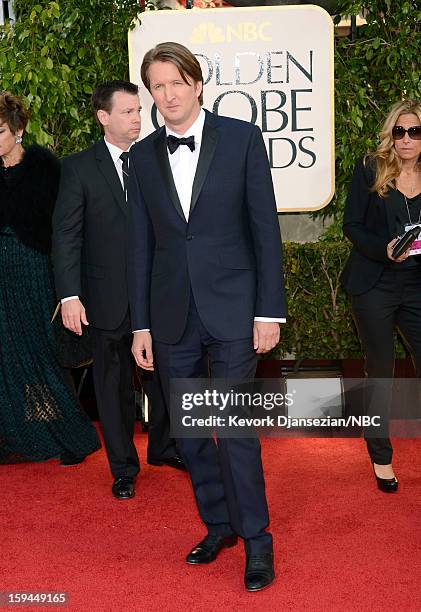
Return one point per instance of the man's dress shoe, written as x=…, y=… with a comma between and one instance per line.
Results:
x=123, y=487
x=259, y=572
x=174, y=462
x=208, y=549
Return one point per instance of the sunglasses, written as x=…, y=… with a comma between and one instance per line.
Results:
x=414, y=133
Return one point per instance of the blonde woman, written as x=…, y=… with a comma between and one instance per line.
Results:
x=383, y=201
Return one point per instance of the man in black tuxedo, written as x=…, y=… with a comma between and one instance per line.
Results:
x=89, y=254
x=205, y=276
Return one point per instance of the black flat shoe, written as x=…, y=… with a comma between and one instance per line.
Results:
x=123, y=487
x=68, y=460
x=208, y=549
x=259, y=572
x=174, y=462
x=387, y=485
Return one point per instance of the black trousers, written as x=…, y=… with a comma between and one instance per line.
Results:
x=395, y=302
x=227, y=476
x=160, y=444
x=115, y=396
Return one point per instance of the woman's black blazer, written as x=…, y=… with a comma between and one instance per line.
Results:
x=369, y=224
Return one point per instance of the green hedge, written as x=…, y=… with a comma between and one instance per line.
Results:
x=376, y=70
x=319, y=322
x=55, y=54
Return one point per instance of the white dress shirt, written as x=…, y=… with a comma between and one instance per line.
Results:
x=183, y=162
x=115, y=153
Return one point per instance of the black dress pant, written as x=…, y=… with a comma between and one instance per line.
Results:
x=227, y=476
x=115, y=395
x=160, y=445
x=394, y=302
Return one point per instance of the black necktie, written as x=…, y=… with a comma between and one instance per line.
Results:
x=173, y=143
x=125, y=159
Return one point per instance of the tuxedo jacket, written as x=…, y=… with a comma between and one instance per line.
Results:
x=89, y=236
x=369, y=223
x=228, y=253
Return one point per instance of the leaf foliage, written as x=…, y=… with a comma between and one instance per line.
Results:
x=379, y=68
x=319, y=319
x=54, y=56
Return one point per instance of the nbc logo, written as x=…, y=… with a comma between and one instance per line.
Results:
x=244, y=31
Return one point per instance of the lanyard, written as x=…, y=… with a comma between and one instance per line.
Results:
x=409, y=216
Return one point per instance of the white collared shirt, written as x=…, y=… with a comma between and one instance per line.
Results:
x=183, y=162
x=115, y=153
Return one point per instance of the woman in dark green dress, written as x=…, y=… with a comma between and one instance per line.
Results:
x=40, y=416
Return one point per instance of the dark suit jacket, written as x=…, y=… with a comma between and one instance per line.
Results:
x=229, y=252
x=89, y=236
x=370, y=226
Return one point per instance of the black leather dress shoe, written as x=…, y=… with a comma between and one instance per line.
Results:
x=123, y=487
x=208, y=549
x=174, y=462
x=259, y=572
x=66, y=460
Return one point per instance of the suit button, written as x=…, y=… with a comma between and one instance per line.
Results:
x=189, y=237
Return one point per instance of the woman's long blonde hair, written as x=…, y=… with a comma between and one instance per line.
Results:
x=387, y=161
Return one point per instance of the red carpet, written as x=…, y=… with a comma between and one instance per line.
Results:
x=340, y=544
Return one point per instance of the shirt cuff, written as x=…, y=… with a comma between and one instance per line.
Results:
x=71, y=297
x=139, y=330
x=269, y=320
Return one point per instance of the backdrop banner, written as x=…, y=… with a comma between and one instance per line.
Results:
x=272, y=66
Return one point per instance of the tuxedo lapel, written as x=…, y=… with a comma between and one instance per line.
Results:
x=207, y=151
x=165, y=168
x=108, y=170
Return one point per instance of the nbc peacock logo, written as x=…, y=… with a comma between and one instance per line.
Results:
x=246, y=31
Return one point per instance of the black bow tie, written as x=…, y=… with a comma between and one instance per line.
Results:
x=173, y=143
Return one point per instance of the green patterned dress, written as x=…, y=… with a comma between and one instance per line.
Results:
x=40, y=416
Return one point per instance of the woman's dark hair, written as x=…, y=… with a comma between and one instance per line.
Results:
x=177, y=54
x=13, y=112
x=103, y=94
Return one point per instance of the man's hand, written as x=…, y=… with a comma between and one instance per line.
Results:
x=142, y=350
x=265, y=336
x=73, y=315
x=390, y=251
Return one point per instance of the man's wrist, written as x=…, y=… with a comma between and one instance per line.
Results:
x=270, y=320
x=67, y=299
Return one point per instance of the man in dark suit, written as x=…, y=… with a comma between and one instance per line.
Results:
x=205, y=276
x=89, y=254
